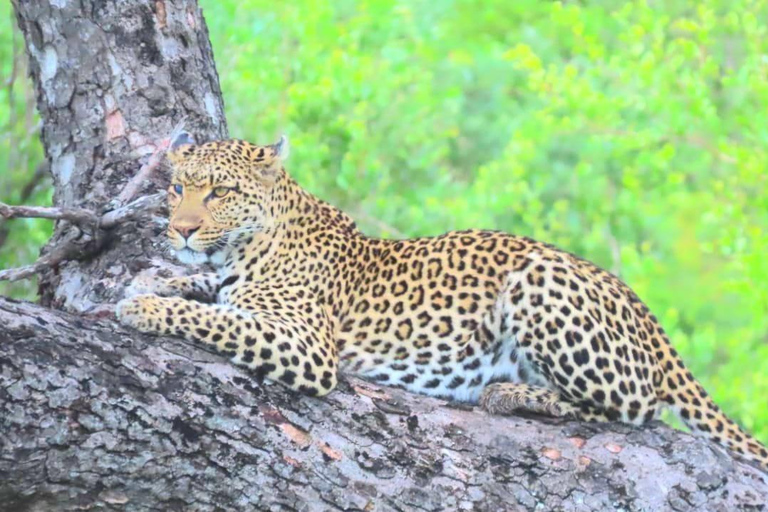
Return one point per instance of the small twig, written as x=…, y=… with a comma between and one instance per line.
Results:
x=82, y=216
x=79, y=216
x=177, y=130
x=68, y=249
x=139, y=207
x=64, y=251
x=134, y=185
x=124, y=210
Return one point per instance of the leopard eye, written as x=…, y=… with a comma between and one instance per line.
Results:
x=220, y=191
x=178, y=189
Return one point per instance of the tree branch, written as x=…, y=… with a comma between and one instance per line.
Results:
x=134, y=210
x=79, y=216
x=65, y=250
x=93, y=416
x=68, y=248
x=73, y=246
x=135, y=184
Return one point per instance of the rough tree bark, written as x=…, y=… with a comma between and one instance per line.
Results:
x=94, y=416
x=112, y=79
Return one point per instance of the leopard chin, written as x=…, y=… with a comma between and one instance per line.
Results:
x=217, y=258
x=189, y=257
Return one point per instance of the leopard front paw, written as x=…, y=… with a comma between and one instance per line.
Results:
x=136, y=312
x=144, y=284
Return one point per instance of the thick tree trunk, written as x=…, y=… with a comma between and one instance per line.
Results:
x=112, y=79
x=94, y=416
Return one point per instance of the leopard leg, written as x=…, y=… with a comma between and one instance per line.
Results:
x=202, y=286
x=296, y=349
x=507, y=398
x=565, y=331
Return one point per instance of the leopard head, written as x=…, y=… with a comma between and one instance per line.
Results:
x=221, y=194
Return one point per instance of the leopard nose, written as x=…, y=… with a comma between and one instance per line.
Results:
x=186, y=230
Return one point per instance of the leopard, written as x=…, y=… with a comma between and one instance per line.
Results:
x=299, y=295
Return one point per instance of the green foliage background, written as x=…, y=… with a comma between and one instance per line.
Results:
x=21, y=154
x=631, y=133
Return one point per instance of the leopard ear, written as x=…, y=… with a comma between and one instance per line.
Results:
x=271, y=159
x=180, y=147
x=281, y=149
